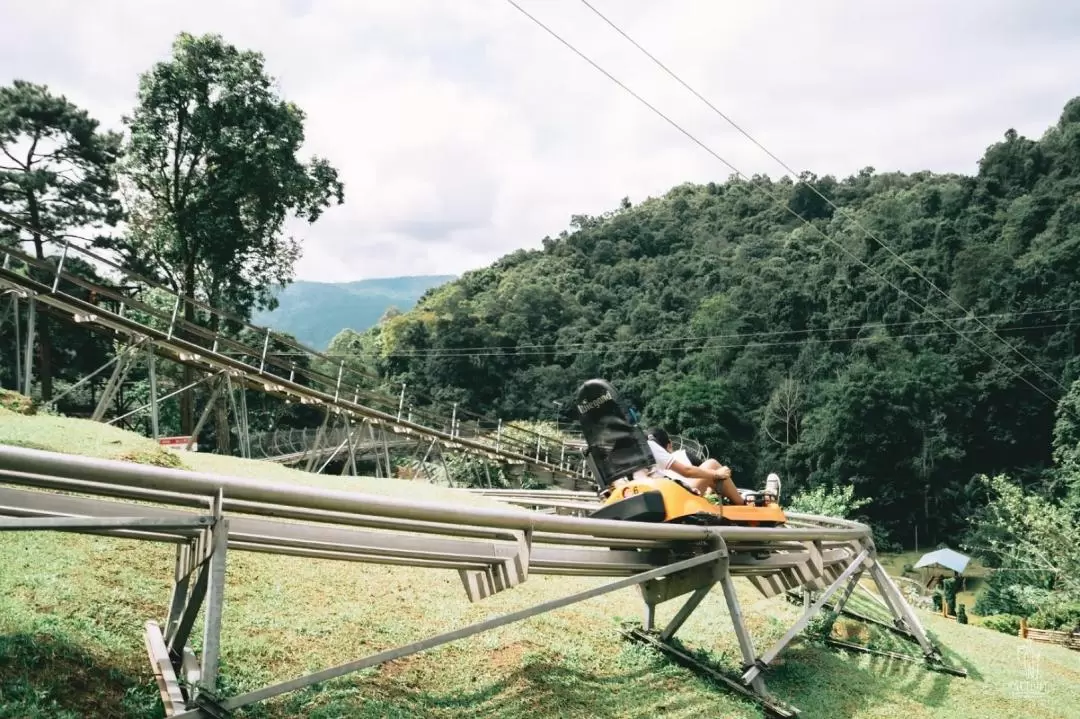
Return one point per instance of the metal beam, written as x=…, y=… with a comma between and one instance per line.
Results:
x=81, y=523
x=767, y=658
x=389, y=655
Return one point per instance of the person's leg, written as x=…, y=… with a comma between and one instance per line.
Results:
x=729, y=490
x=724, y=487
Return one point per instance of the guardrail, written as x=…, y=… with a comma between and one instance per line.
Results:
x=266, y=361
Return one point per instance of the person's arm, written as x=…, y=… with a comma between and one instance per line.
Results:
x=720, y=478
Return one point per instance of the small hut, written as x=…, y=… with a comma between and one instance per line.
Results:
x=943, y=560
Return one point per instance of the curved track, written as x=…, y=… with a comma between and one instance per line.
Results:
x=493, y=549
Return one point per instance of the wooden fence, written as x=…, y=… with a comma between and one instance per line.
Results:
x=1069, y=640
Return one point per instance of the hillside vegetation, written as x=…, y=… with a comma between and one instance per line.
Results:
x=779, y=333
x=72, y=608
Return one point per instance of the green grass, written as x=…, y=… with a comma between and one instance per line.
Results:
x=72, y=609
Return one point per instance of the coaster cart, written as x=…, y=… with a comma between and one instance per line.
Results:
x=619, y=457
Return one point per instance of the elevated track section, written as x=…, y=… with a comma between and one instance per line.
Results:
x=492, y=549
x=188, y=332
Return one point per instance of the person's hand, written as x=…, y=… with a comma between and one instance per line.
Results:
x=723, y=474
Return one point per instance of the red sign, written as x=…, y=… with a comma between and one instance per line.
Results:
x=178, y=443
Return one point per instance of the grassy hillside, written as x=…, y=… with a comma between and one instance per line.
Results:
x=314, y=312
x=72, y=609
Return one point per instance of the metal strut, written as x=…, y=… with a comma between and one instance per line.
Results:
x=223, y=706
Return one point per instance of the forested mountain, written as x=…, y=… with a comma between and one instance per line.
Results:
x=314, y=312
x=778, y=331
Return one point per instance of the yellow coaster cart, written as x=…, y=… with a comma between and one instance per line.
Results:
x=633, y=490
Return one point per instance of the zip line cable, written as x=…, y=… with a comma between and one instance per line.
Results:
x=707, y=346
x=814, y=189
x=556, y=347
x=783, y=205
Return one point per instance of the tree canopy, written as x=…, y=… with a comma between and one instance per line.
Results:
x=795, y=336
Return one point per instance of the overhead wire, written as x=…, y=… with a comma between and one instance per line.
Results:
x=565, y=346
x=777, y=200
x=706, y=345
x=881, y=243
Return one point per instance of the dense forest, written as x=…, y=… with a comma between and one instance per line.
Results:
x=900, y=333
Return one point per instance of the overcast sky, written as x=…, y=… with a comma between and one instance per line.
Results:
x=463, y=131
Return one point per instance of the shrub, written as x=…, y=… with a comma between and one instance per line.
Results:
x=961, y=615
x=936, y=599
x=948, y=586
x=909, y=568
x=1004, y=623
x=1064, y=617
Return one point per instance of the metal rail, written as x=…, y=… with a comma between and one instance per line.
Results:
x=492, y=549
x=323, y=381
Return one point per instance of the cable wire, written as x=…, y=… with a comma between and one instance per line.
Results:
x=783, y=205
x=562, y=347
x=814, y=189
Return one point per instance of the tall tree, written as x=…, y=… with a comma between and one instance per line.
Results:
x=56, y=174
x=213, y=173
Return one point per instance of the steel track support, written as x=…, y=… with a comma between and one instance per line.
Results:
x=765, y=659
x=18, y=340
x=386, y=451
x=375, y=447
x=226, y=705
x=351, y=464
x=214, y=395
x=108, y=393
x=237, y=416
x=902, y=612
x=216, y=600
x=245, y=417
x=151, y=362
x=312, y=452
x=28, y=348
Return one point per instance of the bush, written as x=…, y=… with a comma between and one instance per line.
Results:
x=936, y=599
x=961, y=615
x=1012, y=592
x=909, y=568
x=948, y=587
x=1004, y=623
x=1063, y=617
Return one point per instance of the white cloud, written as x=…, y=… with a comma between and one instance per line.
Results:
x=463, y=131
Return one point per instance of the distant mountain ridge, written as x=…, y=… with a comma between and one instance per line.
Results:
x=314, y=312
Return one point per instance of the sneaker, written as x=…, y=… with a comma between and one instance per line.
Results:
x=772, y=485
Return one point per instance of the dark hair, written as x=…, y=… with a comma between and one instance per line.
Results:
x=658, y=435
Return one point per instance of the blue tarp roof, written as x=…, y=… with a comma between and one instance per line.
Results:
x=945, y=558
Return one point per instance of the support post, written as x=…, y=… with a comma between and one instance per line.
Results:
x=205, y=413
x=746, y=642
x=313, y=450
x=266, y=346
x=766, y=658
x=151, y=363
x=172, y=320
x=60, y=266
x=18, y=339
x=28, y=358
x=215, y=599
x=391, y=654
x=119, y=374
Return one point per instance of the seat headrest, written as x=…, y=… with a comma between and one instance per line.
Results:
x=616, y=446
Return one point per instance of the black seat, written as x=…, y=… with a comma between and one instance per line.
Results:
x=615, y=447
